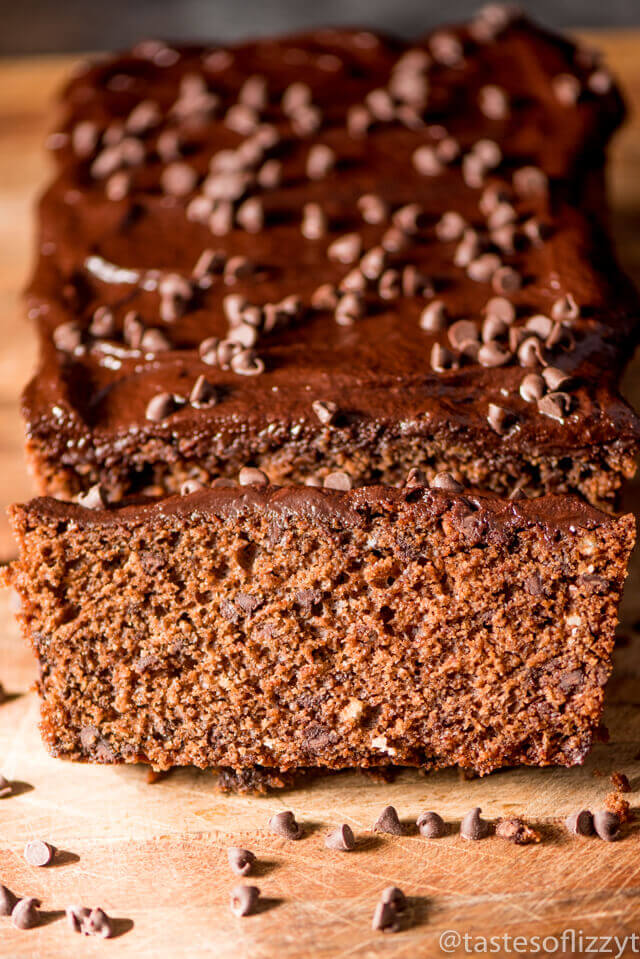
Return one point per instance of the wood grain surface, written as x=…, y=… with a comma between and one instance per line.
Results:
x=153, y=855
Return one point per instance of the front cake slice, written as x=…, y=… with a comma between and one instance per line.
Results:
x=286, y=628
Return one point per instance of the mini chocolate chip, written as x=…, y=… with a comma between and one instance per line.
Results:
x=221, y=219
x=394, y=240
x=502, y=214
x=240, y=860
x=373, y=262
x=450, y=226
x=269, y=175
x=209, y=262
x=483, y=268
x=199, y=208
x=159, y=407
x=385, y=918
x=325, y=297
x=467, y=250
x=426, y=161
x=118, y=186
x=349, y=308
x=238, y=268
x=314, y=221
x=24, y=914
x=537, y=231
x=144, y=116
x=154, y=341
x=491, y=355
x=346, y=249
x=502, y=308
x=96, y=923
x=37, y=852
x=178, y=179
x=530, y=181
x=493, y=327
x=409, y=218
x=506, y=280
x=190, y=486
x=474, y=171
x=431, y=825
x=532, y=388
x=284, y=824
x=320, y=161
x=445, y=48
x=556, y=379
x=76, y=917
x=446, y=481
x=540, y=325
x=566, y=88
x=373, y=208
x=565, y=308
x=517, y=831
x=415, y=283
x=94, y=498
x=606, y=825
x=461, y=332
x=84, y=138
x=340, y=839
x=488, y=152
x=555, y=405
x=296, y=95
x=389, y=286
x=325, y=410
x=600, y=82
x=393, y=896
x=5, y=786
x=338, y=480
x=580, y=823
x=433, y=318
x=253, y=92
x=67, y=337
x=416, y=477
x=530, y=352
x=241, y=119
x=381, y=105
x=441, y=358
x=203, y=393
x=448, y=150
x=102, y=322
x=388, y=822
x=250, y=476
x=250, y=215
x=493, y=197
x=7, y=901
x=244, y=900
x=499, y=419
x=493, y=102
x=358, y=121
x=168, y=145
x=505, y=238
x=473, y=827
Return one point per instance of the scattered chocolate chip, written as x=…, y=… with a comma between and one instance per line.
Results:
x=606, y=825
x=96, y=923
x=5, y=786
x=244, y=900
x=555, y=405
x=493, y=102
x=338, y=480
x=221, y=219
x=325, y=297
x=314, y=221
x=242, y=119
x=566, y=88
x=325, y=410
x=556, y=379
x=168, y=145
x=532, y=388
x=483, y=268
x=240, y=860
x=346, y=249
x=565, y=308
x=341, y=839
x=190, y=486
x=409, y=218
x=84, y=138
x=506, y=280
x=493, y=197
x=373, y=209
x=349, y=308
x=491, y=355
x=462, y=332
x=390, y=285
x=295, y=96
x=118, y=186
x=502, y=215
x=441, y=358
x=431, y=825
x=37, y=852
x=433, y=318
x=516, y=831
x=67, y=337
x=448, y=150
x=530, y=352
x=500, y=419
x=102, y=322
x=24, y=914
x=445, y=48
x=306, y=120
x=487, y=152
x=493, y=327
x=178, y=179
x=154, y=341
x=321, y=160
x=385, y=918
x=540, y=325
x=394, y=897
x=250, y=215
x=501, y=308
x=600, y=82
x=94, y=498
x=447, y=482
x=250, y=476
x=237, y=268
x=373, y=263
x=159, y=407
x=473, y=827
x=203, y=393
x=144, y=117
x=530, y=181
x=450, y=226
x=394, y=240
x=416, y=477
x=358, y=121
x=7, y=901
x=284, y=824
x=426, y=161
x=269, y=175
x=388, y=822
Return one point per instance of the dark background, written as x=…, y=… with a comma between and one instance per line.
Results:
x=56, y=26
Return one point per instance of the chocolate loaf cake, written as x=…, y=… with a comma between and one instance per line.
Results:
x=332, y=251
x=288, y=627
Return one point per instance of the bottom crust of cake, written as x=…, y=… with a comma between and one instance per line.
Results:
x=289, y=629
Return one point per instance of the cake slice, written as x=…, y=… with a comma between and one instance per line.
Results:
x=334, y=250
x=283, y=628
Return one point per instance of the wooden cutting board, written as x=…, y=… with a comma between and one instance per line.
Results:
x=154, y=854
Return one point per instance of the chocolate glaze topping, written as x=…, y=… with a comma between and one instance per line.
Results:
x=237, y=170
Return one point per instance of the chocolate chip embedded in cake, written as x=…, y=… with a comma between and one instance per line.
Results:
x=362, y=616
x=336, y=229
